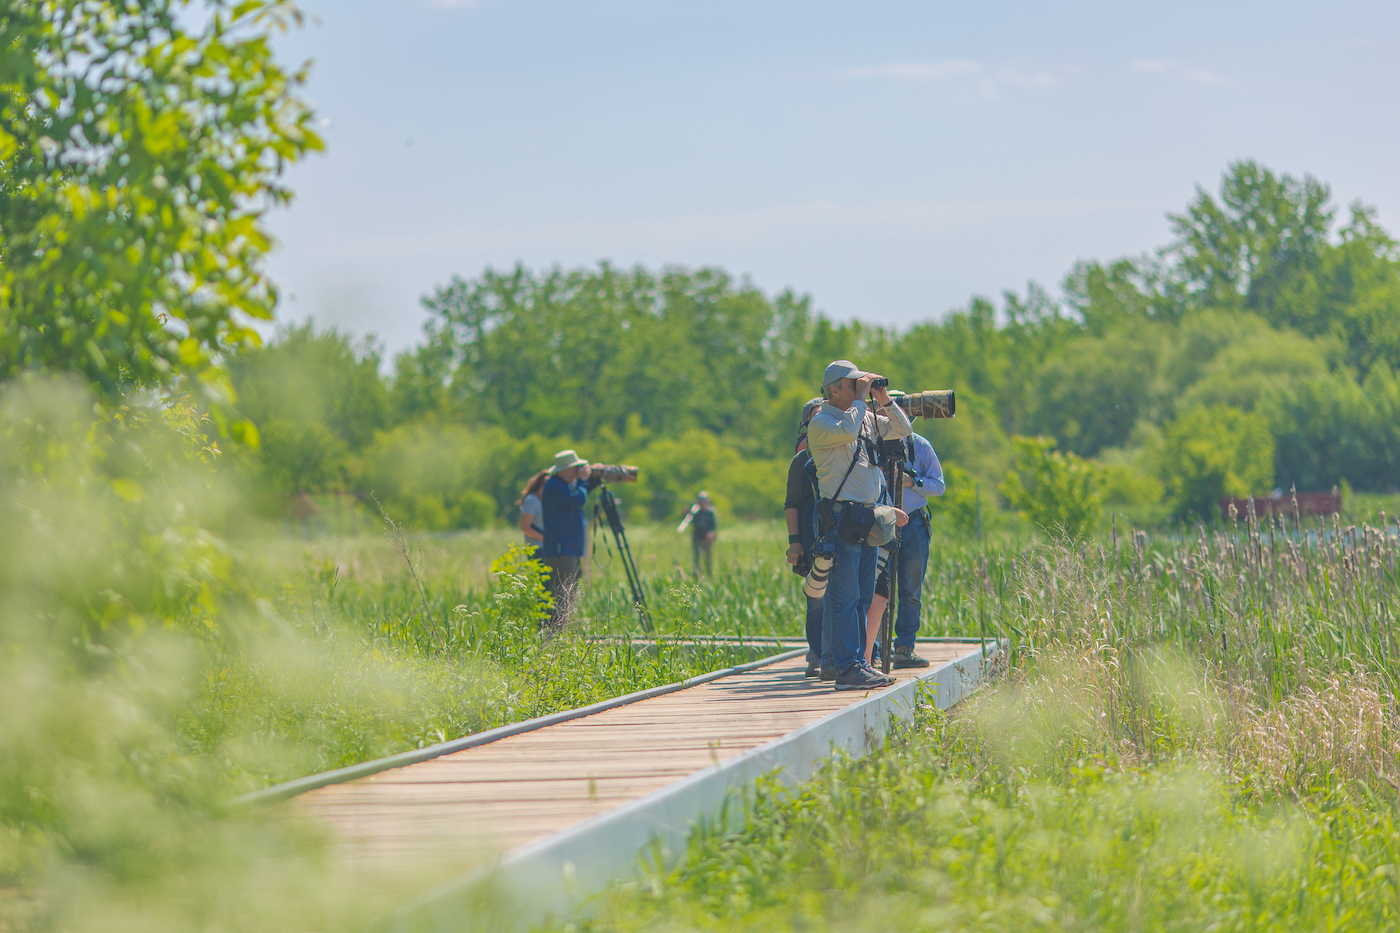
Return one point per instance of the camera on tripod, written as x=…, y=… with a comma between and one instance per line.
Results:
x=607, y=502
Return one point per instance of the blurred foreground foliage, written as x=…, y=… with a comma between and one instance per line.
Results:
x=153, y=666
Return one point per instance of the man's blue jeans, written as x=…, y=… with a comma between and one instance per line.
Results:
x=849, y=591
x=913, y=563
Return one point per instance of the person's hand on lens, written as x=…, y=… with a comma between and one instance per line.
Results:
x=585, y=471
x=794, y=553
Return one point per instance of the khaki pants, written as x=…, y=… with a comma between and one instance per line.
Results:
x=563, y=586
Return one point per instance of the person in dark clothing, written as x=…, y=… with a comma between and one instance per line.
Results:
x=801, y=499
x=563, y=498
x=703, y=526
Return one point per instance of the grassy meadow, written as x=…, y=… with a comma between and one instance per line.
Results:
x=1251, y=667
x=1197, y=732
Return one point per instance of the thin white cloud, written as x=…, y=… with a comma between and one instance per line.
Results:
x=960, y=72
x=1176, y=69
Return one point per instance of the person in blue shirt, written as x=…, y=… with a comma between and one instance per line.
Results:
x=563, y=498
x=913, y=548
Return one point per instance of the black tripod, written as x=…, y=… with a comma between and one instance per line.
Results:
x=893, y=456
x=634, y=579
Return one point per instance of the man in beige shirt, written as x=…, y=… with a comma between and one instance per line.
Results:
x=843, y=438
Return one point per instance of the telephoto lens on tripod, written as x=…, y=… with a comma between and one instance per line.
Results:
x=815, y=584
x=612, y=473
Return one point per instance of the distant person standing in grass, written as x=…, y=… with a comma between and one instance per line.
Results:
x=703, y=526
x=532, y=512
x=563, y=497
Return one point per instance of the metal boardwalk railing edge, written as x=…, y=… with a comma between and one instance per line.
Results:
x=557, y=874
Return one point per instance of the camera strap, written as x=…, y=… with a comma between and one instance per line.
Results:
x=855, y=455
x=826, y=507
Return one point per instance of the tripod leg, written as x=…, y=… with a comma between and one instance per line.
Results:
x=896, y=481
x=634, y=580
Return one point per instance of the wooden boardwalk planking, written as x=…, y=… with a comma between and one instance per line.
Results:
x=471, y=805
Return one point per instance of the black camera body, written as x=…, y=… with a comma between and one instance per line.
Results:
x=823, y=547
x=880, y=383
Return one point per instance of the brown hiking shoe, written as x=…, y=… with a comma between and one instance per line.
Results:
x=905, y=657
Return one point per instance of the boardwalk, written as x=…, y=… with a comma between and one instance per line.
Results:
x=472, y=805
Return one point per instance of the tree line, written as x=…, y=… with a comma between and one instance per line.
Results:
x=1257, y=350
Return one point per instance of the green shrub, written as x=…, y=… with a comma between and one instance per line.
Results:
x=521, y=597
x=301, y=456
x=430, y=477
x=1335, y=425
x=1134, y=492
x=1212, y=452
x=673, y=470
x=1056, y=491
x=958, y=504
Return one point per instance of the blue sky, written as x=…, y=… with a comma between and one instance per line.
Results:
x=890, y=159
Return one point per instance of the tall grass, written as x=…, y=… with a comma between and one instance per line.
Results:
x=154, y=664
x=1196, y=731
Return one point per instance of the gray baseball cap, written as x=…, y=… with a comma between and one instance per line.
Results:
x=841, y=369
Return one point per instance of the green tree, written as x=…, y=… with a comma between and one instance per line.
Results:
x=572, y=352
x=1358, y=296
x=1057, y=491
x=140, y=148
x=305, y=377
x=1212, y=452
x=1251, y=372
x=958, y=505
x=1108, y=296
x=430, y=477
x=1332, y=427
x=1092, y=394
x=1263, y=238
x=299, y=456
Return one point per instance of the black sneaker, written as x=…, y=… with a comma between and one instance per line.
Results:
x=828, y=673
x=813, y=670
x=905, y=657
x=859, y=677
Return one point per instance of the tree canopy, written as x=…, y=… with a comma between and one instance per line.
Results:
x=138, y=156
x=1257, y=349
